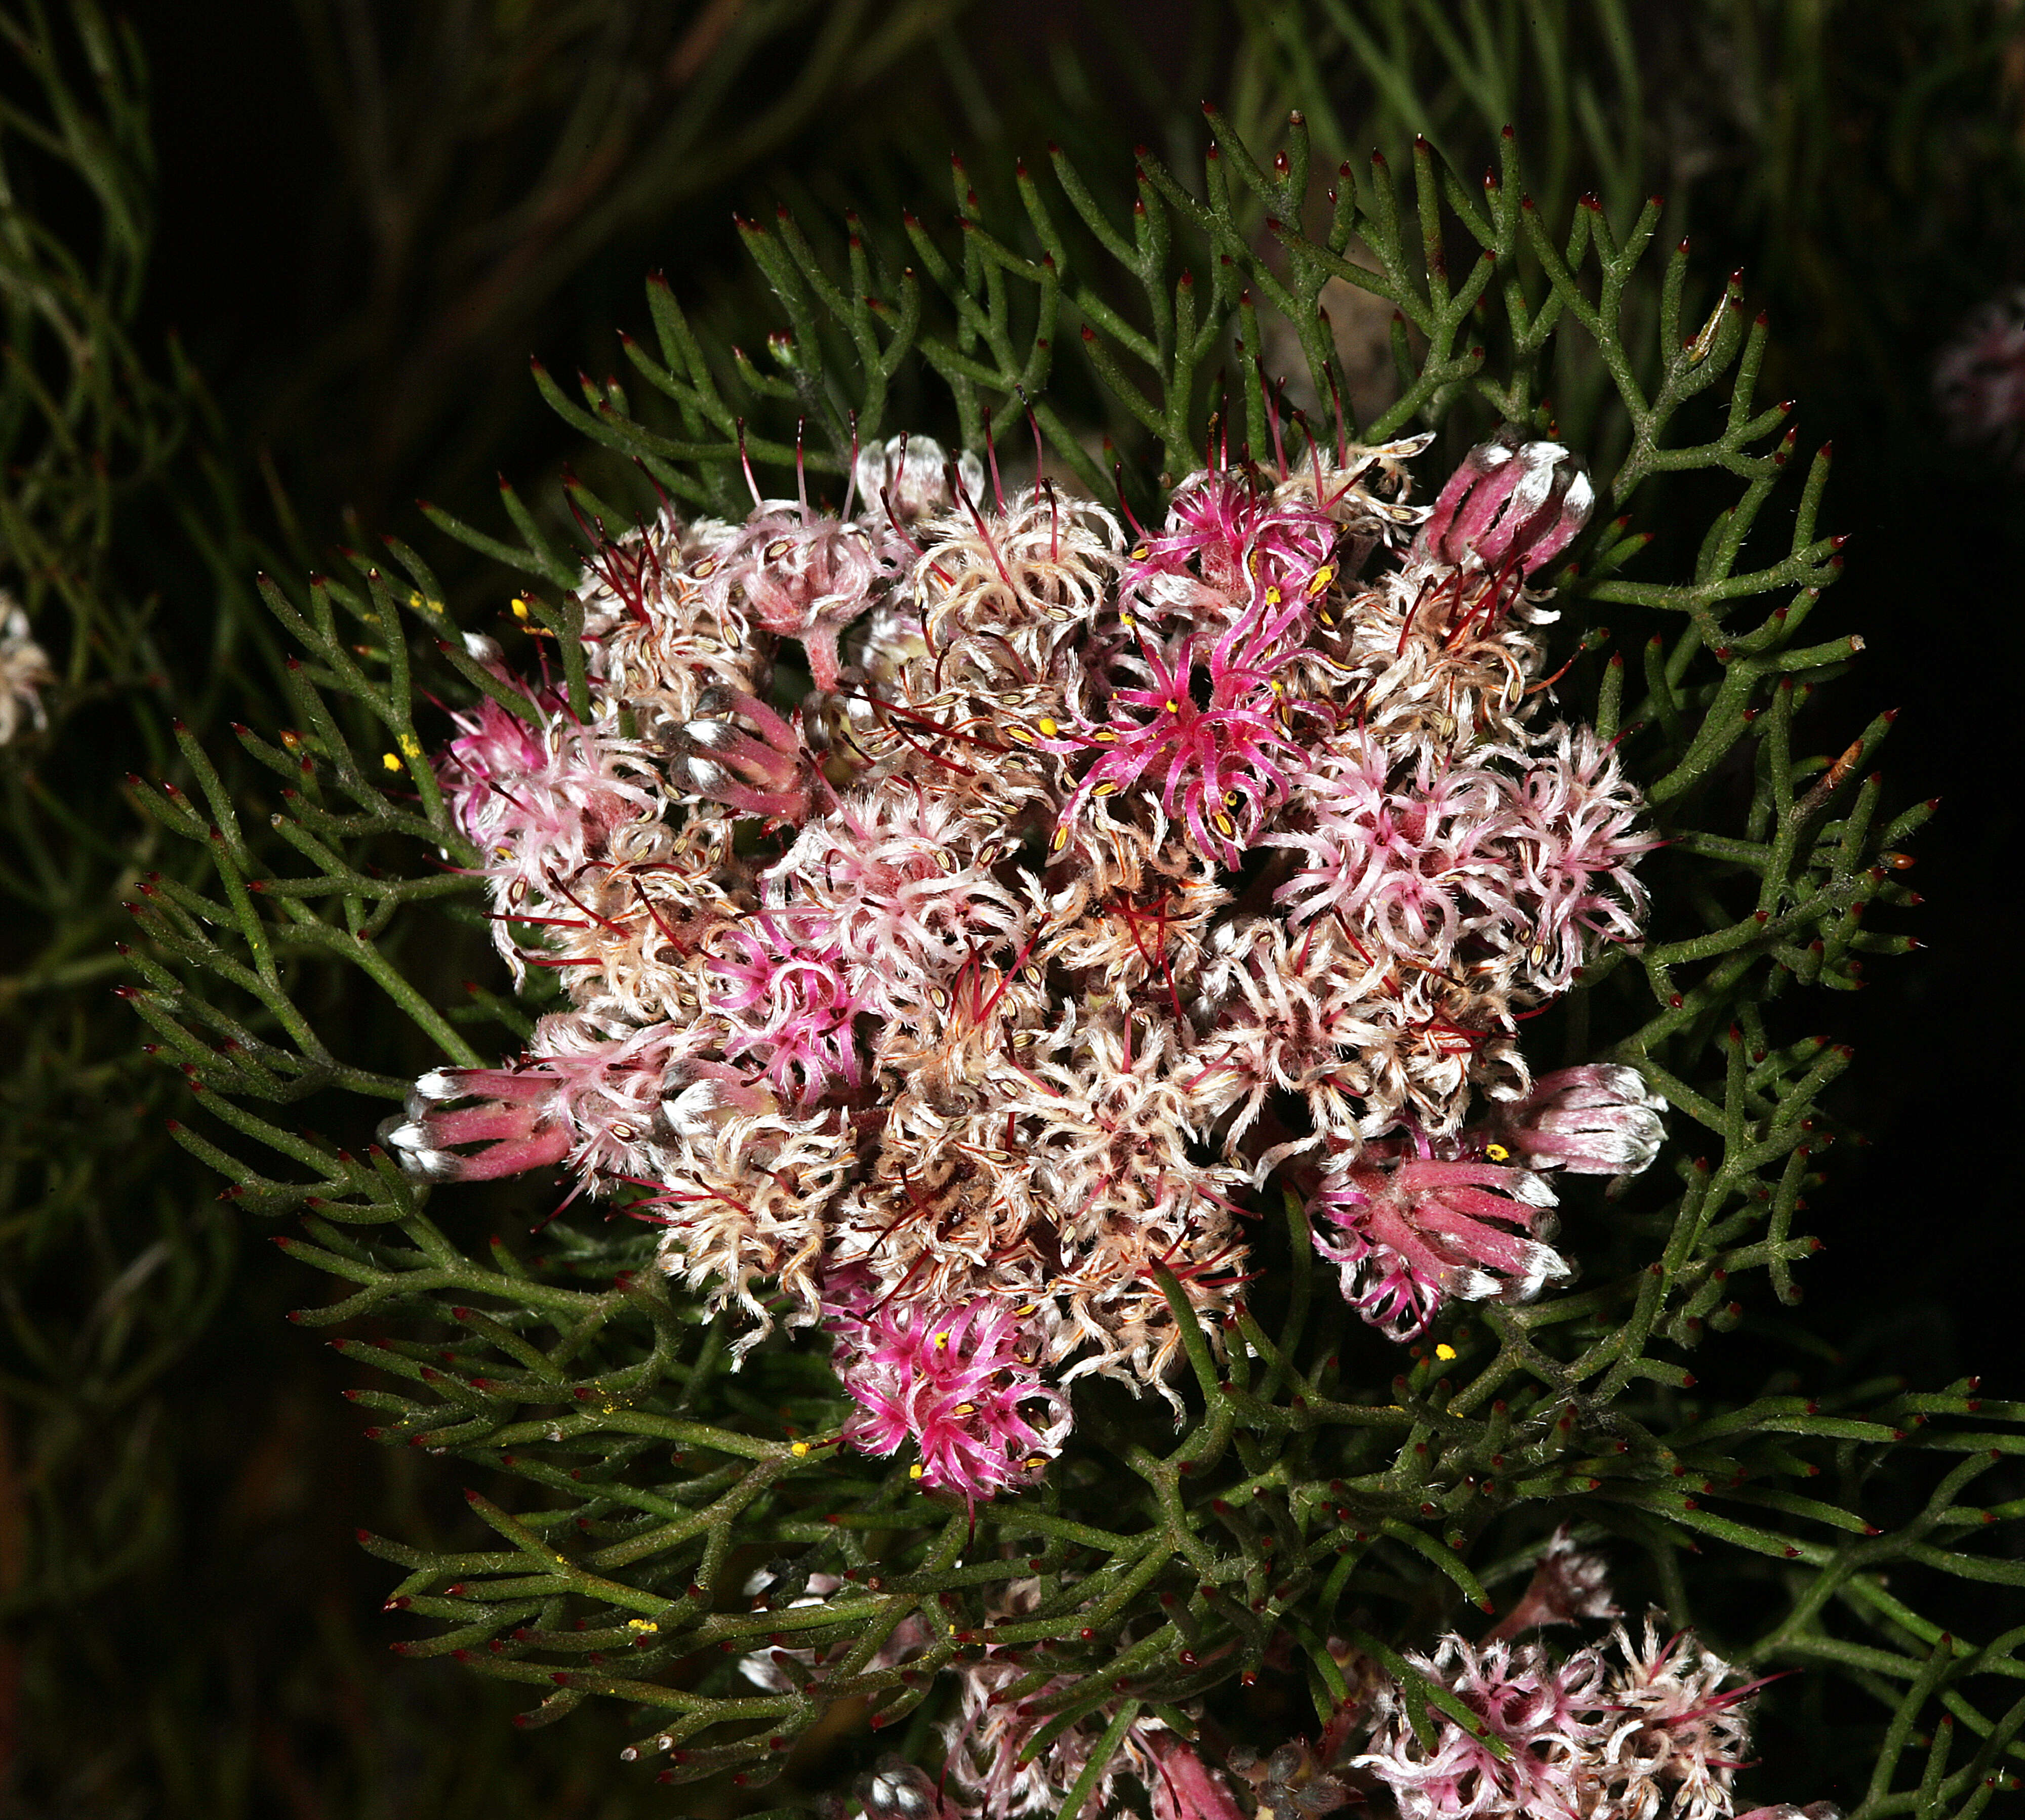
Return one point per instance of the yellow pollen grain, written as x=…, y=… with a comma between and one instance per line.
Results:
x=916, y=1470
x=799, y=1450
x=410, y=747
x=1497, y=1153
x=1444, y=1352
x=520, y=607
x=942, y=1340
x=1273, y=596
x=1174, y=707
x=391, y=760
x=646, y=1627
x=1047, y=726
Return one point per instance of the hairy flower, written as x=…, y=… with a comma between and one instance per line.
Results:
x=1600, y=1120
x=960, y=1385
x=1675, y=1737
x=1411, y=1234
x=582, y=1094
x=785, y=989
x=1573, y=843
x=799, y=574
x=1220, y=764
x=541, y=796
x=1523, y=1699
x=1016, y=1013
x=984, y=1741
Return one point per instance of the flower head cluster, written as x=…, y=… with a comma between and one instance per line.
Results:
x=958, y=1004
x=1623, y=1730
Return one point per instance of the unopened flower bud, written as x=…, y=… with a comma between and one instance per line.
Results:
x=1597, y=1121
x=1509, y=503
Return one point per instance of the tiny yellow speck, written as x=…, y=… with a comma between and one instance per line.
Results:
x=409, y=745
x=916, y=1470
x=645, y=1626
x=1273, y=596
x=391, y=760
x=1497, y=1153
x=1444, y=1352
x=1047, y=725
x=612, y=1409
x=952, y=1630
x=941, y=1339
x=520, y=607
x=799, y=1450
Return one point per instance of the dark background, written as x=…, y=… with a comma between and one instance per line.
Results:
x=347, y=285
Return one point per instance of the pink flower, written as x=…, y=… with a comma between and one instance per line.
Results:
x=1217, y=762
x=1410, y=1235
x=885, y=876
x=1510, y=503
x=799, y=574
x=985, y=1739
x=1412, y=866
x=1524, y=1701
x=958, y=1384
x=539, y=802
x=1572, y=811
x=772, y=775
x=790, y=999
x=1673, y=1737
x=579, y=1095
x=1594, y=1121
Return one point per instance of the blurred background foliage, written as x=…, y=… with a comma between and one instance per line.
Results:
x=270, y=274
